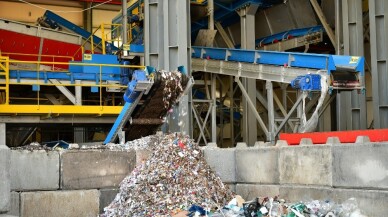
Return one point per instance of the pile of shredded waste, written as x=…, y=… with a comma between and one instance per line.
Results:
x=175, y=177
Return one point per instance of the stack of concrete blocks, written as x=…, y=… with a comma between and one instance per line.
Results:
x=5, y=182
x=332, y=171
x=67, y=183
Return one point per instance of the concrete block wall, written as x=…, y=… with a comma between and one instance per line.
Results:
x=306, y=172
x=95, y=169
x=60, y=203
x=68, y=183
x=37, y=170
x=5, y=181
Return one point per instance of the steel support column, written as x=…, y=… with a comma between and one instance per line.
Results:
x=247, y=20
x=78, y=93
x=378, y=23
x=231, y=106
x=88, y=17
x=125, y=21
x=214, y=108
x=271, y=112
x=2, y=135
x=352, y=103
x=169, y=47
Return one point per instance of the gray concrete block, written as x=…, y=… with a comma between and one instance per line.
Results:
x=362, y=139
x=260, y=144
x=306, y=141
x=212, y=145
x=222, y=162
x=306, y=165
x=15, y=204
x=281, y=143
x=5, y=185
x=41, y=168
x=257, y=165
x=7, y=215
x=370, y=202
x=60, y=203
x=95, y=169
x=293, y=193
x=360, y=166
x=251, y=191
x=142, y=155
x=241, y=145
x=333, y=140
x=106, y=197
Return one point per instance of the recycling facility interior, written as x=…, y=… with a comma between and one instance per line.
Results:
x=267, y=125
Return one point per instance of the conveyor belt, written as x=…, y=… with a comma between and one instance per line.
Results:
x=150, y=108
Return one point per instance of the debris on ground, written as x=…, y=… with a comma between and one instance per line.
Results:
x=175, y=178
x=274, y=207
x=145, y=143
x=34, y=146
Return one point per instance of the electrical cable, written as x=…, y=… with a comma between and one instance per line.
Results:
x=57, y=11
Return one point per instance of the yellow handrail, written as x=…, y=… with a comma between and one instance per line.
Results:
x=37, y=55
x=104, y=39
x=4, y=67
x=40, y=81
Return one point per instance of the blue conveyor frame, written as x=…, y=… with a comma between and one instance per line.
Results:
x=271, y=65
x=73, y=27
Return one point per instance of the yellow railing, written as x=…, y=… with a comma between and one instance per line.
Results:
x=106, y=30
x=4, y=73
x=54, y=58
x=39, y=81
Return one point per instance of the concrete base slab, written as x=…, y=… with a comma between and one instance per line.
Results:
x=41, y=168
x=226, y=169
x=106, y=197
x=360, y=166
x=257, y=165
x=251, y=191
x=306, y=165
x=60, y=203
x=95, y=169
x=5, y=185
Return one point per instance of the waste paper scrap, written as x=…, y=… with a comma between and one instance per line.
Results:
x=173, y=179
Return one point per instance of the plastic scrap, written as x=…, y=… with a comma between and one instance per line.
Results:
x=274, y=207
x=311, y=124
x=175, y=177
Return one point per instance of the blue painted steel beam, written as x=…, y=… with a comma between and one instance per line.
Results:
x=69, y=76
x=118, y=123
x=72, y=27
x=286, y=34
x=288, y=59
